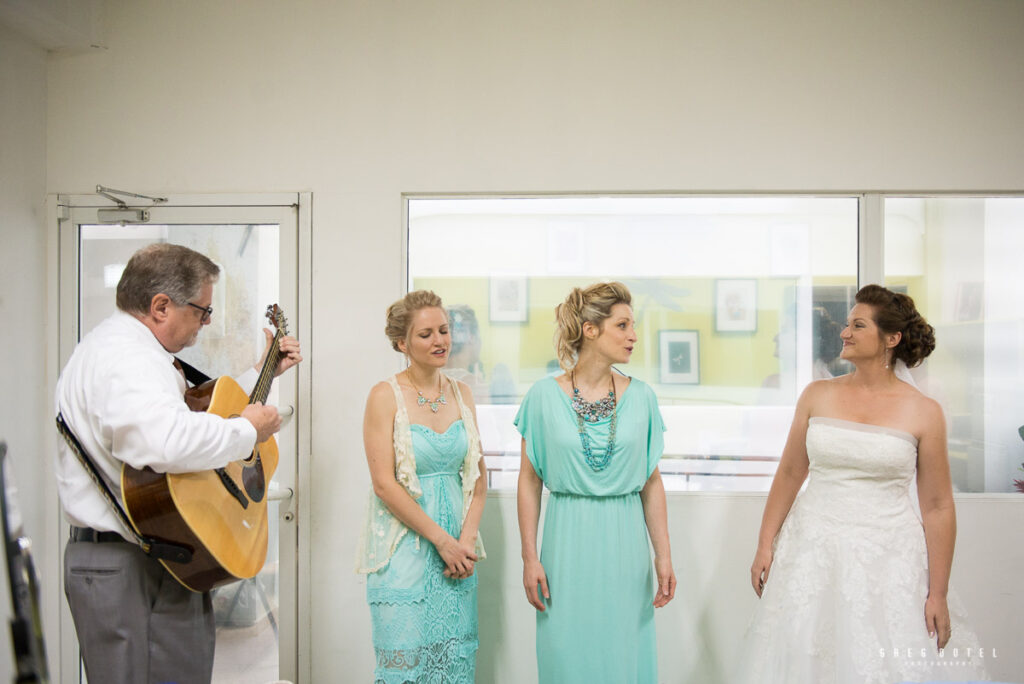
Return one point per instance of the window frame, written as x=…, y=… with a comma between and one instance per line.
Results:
x=870, y=246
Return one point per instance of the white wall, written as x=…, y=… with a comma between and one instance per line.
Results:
x=361, y=101
x=713, y=538
x=25, y=397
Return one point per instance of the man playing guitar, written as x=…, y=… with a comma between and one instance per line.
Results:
x=121, y=395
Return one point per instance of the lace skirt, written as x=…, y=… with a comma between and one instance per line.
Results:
x=844, y=604
x=424, y=624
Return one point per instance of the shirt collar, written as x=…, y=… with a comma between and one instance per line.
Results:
x=139, y=330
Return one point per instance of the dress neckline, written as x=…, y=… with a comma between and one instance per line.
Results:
x=864, y=427
x=568, y=399
x=441, y=434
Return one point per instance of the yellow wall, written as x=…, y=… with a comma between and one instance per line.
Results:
x=726, y=359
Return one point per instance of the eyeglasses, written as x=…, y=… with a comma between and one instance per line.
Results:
x=207, y=311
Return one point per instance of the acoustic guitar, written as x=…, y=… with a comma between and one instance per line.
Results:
x=219, y=516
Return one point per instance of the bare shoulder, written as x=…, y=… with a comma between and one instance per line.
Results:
x=926, y=408
x=820, y=389
x=821, y=397
x=382, y=397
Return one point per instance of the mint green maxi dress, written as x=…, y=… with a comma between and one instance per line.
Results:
x=599, y=624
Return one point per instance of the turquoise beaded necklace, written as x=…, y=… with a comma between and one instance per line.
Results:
x=591, y=412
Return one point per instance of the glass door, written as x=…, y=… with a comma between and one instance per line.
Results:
x=256, y=248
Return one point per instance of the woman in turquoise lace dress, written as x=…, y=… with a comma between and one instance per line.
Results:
x=594, y=437
x=420, y=542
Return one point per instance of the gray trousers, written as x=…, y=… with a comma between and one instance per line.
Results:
x=135, y=623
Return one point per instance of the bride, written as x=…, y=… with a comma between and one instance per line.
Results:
x=853, y=583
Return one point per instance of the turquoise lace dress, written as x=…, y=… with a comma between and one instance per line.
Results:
x=424, y=624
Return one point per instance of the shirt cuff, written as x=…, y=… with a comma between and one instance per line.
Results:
x=245, y=430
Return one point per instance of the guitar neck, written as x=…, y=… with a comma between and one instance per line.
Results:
x=266, y=379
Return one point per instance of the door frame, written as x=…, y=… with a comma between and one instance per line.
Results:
x=294, y=538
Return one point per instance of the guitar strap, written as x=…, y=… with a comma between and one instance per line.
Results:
x=157, y=549
x=194, y=376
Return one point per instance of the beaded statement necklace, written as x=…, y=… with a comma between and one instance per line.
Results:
x=433, y=404
x=591, y=412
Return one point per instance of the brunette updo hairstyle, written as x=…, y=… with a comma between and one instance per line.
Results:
x=399, y=316
x=895, y=313
x=589, y=305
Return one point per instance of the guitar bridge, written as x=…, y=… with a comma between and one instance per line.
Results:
x=232, y=488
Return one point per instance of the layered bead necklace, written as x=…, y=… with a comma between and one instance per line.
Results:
x=433, y=404
x=591, y=412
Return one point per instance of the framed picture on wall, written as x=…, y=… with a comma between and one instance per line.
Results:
x=679, y=357
x=736, y=305
x=508, y=299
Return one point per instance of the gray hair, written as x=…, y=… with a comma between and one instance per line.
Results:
x=163, y=268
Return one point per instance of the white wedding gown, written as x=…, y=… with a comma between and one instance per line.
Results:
x=844, y=601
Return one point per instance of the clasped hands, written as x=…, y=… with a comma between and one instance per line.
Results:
x=458, y=556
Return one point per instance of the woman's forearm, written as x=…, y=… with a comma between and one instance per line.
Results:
x=785, y=487
x=940, y=538
x=655, y=506
x=471, y=525
x=528, y=504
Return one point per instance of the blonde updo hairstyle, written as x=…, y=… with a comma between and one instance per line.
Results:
x=398, y=327
x=593, y=305
x=895, y=313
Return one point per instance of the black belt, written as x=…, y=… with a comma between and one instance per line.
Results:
x=87, y=534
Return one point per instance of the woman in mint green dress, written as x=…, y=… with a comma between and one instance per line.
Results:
x=594, y=437
x=420, y=544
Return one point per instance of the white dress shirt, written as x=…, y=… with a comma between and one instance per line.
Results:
x=122, y=398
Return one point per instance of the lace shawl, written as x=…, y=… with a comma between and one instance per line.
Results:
x=382, y=531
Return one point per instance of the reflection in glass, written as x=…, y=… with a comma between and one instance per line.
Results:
x=738, y=279
x=960, y=259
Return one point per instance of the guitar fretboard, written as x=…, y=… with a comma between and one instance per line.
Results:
x=266, y=379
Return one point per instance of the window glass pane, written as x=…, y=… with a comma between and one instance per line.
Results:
x=960, y=259
x=249, y=257
x=737, y=302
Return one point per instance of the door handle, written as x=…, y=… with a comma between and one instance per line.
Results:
x=278, y=493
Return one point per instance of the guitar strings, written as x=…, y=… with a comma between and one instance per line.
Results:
x=266, y=378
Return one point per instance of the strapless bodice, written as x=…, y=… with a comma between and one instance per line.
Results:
x=439, y=453
x=860, y=472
